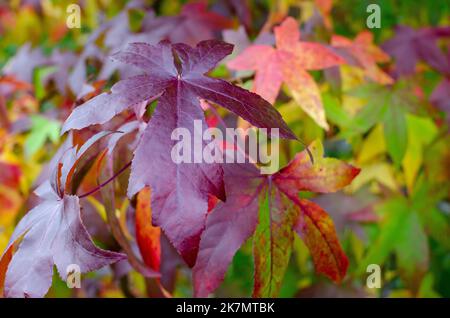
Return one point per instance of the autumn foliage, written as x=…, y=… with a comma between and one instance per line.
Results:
x=87, y=175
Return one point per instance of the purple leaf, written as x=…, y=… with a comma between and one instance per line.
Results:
x=441, y=97
x=194, y=24
x=228, y=226
x=53, y=234
x=408, y=46
x=173, y=203
x=22, y=65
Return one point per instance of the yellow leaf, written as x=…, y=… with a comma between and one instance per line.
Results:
x=373, y=146
x=380, y=172
x=351, y=78
x=421, y=132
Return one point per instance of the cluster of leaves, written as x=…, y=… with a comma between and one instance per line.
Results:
x=116, y=89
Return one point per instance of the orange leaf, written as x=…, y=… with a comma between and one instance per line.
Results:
x=4, y=262
x=147, y=235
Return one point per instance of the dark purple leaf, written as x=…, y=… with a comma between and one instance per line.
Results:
x=174, y=204
x=194, y=24
x=408, y=46
x=228, y=226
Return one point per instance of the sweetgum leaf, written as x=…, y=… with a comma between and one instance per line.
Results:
x=173, y=203
x=366, y=54
x=316, y=229
x=272, y=241
x=194, y=24
x=289, y=63
x=22, y=65
x=395, y=131
x=148, y=236
x=228, y=226
x=232, y=222
x=52, y=234
x=410, y=46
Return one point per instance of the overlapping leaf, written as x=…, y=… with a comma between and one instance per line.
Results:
x=410, y=46
x=173, y=203
x=232, y=222
x=52, y=234
x=194, y=24
x=288, y=63
x=366, y=54
x=147, y=235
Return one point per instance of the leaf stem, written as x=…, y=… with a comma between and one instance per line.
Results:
x=106, y=182
x=117, y=232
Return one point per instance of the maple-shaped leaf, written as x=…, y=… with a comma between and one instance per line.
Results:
x=120, y=34
x=22, y=65
x=63, y=62
x=78, y=77
x=241, y=41
x=366, y=54
x=269, y=208
x=194, y=24
x=289, y=63
x=409, y=46
x=239, y=38
x=387, y=104
x=174, y=204
x=50, y=234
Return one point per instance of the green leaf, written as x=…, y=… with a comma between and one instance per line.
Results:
x=393, y=212
x=371, y=114
x=41, y=130
x=412, y=250
x=334, y=112
x=272, y=242
x=396, y=133
x=39, y=76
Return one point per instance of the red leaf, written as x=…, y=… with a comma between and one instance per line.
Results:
x=232, y=222
x=288, y=63
x=316, y=229
x=366, y=54
x=228, y=226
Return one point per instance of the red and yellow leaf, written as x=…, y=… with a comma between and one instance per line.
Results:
x=316, y=229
